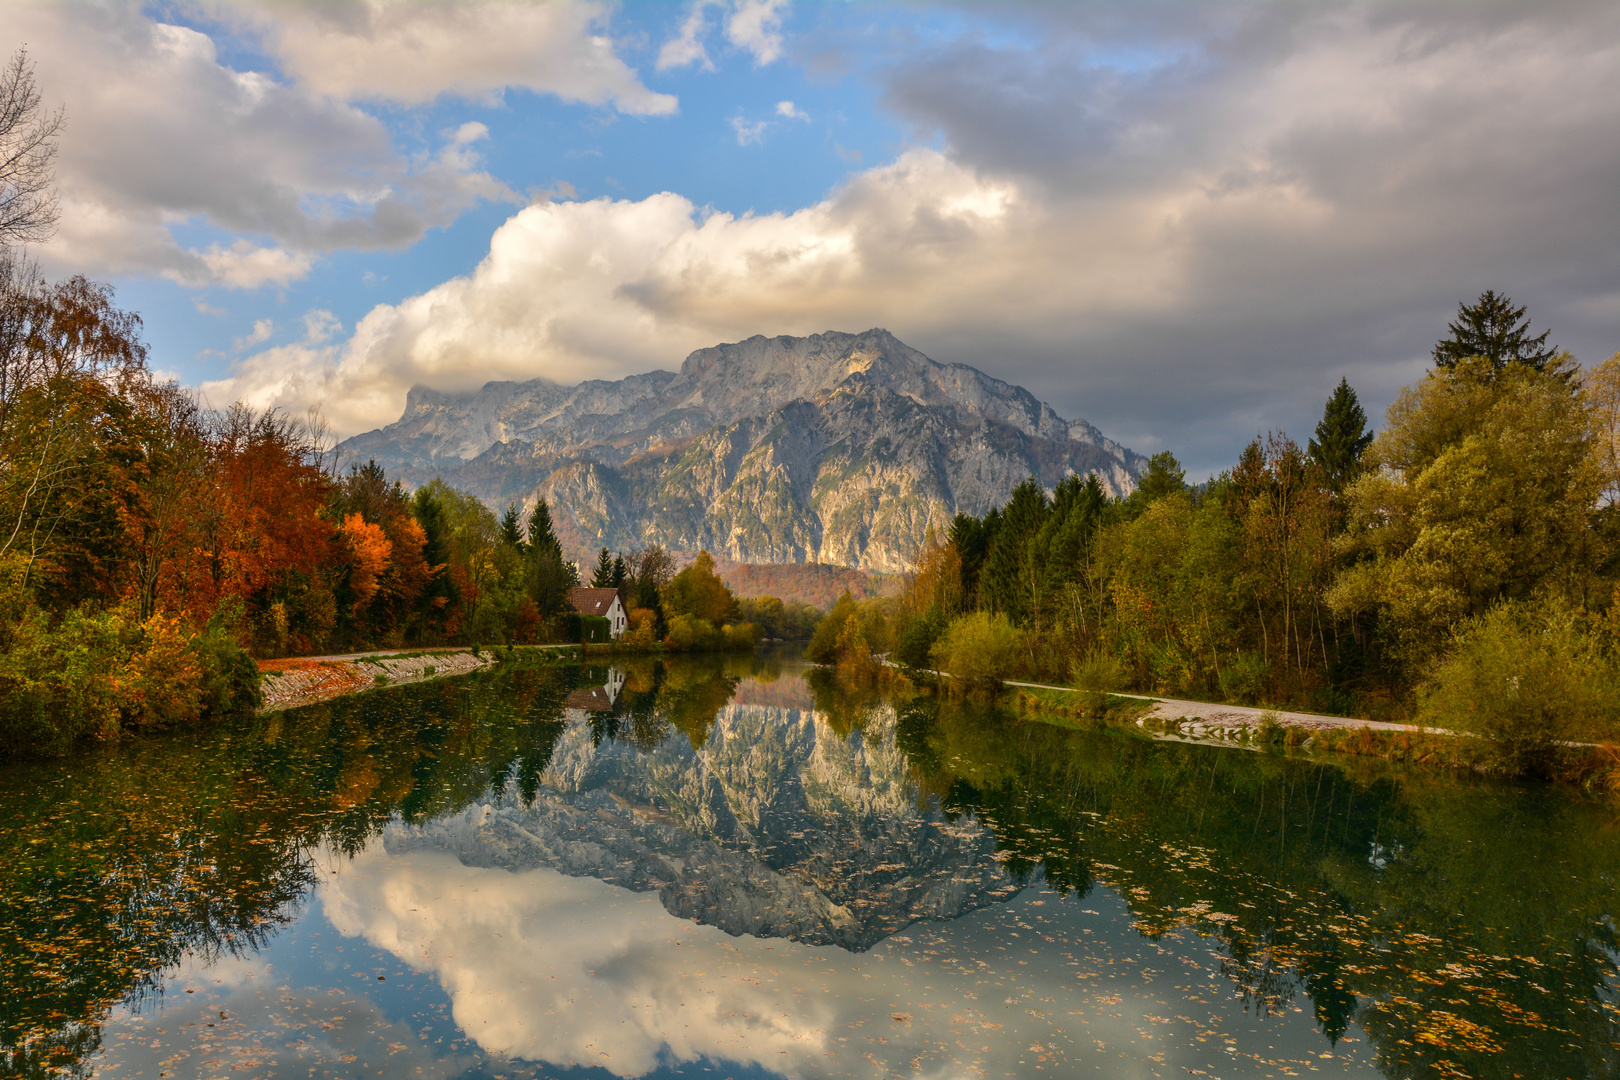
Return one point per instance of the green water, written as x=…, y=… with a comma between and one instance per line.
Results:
x=739, y=868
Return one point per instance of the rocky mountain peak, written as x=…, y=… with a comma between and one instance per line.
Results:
x=837, y=447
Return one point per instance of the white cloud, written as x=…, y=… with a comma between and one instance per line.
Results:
x=574, y=290
x=320, y=325
x=749, y=132
x=412, y=53
x=789, y=110
x=162, y=135
x=686, y=48
x=262, y=329
x=756, y=25
x=205, y=308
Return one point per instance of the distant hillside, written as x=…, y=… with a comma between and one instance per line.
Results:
x=835, y=448
x=816, y=584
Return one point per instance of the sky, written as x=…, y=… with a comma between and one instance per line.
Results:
x=1184, y=222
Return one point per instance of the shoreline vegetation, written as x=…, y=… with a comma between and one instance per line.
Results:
x=1457, y=572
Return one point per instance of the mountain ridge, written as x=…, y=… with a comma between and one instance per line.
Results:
x=836, y=447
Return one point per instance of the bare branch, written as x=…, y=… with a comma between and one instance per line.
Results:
x=28, y=142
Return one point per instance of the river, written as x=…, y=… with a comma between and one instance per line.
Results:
x=740, y=867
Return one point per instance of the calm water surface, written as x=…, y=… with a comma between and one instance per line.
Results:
x=740, y=868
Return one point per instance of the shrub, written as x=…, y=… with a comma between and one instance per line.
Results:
x=1526, y=678
x=1099, y=672
x=1245, y=677
x=739, y=637
x=688, y=632
x=981, y=649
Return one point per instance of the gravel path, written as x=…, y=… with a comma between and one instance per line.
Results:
x=307, y=679
x=1202, y=717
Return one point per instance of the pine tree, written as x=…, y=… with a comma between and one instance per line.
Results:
x=511, y=530
x=1341, y=438
x=1493, y=328
x=542, y=537
x=621, y=573
x=602, y=578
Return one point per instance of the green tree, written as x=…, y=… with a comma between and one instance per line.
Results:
x=511, y=527
x=541, y=534
x=1341, y=437
x=1493, y=328
x=602, y=577
x=1479, y=489
x=1012, y=573
x=1163, y=476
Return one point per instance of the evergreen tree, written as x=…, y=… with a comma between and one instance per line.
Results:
x=602, y=577
x=621, y=573
x=1008, y=582
x=511, y=530
x=1493, y=328
x=971, y=538
x=440, y=594
x=1163, y=476
x=1341, y=437
x=542, y=537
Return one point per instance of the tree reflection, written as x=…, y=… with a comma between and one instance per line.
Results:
x=1465, y=925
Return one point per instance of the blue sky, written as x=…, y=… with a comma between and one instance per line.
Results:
x=1182, y=222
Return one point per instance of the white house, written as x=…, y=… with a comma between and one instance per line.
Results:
x=603, y=602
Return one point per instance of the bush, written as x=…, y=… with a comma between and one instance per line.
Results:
x=692, y=634
x=1245, y=677
x=1526, y=678
x=981, y=649
x=1100, y=673
x=91, y=674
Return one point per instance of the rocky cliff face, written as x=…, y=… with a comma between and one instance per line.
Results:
x=775, y=826
x=836, y=448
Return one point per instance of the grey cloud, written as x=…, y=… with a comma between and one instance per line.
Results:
x=1335, y=180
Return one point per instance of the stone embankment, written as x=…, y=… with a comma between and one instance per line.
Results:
x=308, y=679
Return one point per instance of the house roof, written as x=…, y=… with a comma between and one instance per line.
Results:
x=592, y=601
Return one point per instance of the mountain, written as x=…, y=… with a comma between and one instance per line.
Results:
x=835, y=448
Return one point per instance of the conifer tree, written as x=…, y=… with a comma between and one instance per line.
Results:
x=621, y=573
x=602, y=577
x=511, y=530
x=1493, y=328
x=542, y=537
x=1341, y=437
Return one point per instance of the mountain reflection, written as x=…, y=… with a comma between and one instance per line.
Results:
x=650, y=865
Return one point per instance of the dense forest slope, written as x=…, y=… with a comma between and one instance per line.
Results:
x=836, y=448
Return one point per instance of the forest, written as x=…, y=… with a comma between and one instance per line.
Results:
x=1457, y=568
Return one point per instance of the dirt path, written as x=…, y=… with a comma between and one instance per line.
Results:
x=1202, y=717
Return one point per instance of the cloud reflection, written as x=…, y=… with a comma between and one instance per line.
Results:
x=573, y=971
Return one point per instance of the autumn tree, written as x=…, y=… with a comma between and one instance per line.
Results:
x=697, y=591
x=1478, y=490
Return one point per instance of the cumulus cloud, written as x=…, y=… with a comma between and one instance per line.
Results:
x=164, y=136
x=791, y=111
x=1232, y=214
x=411, y=53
